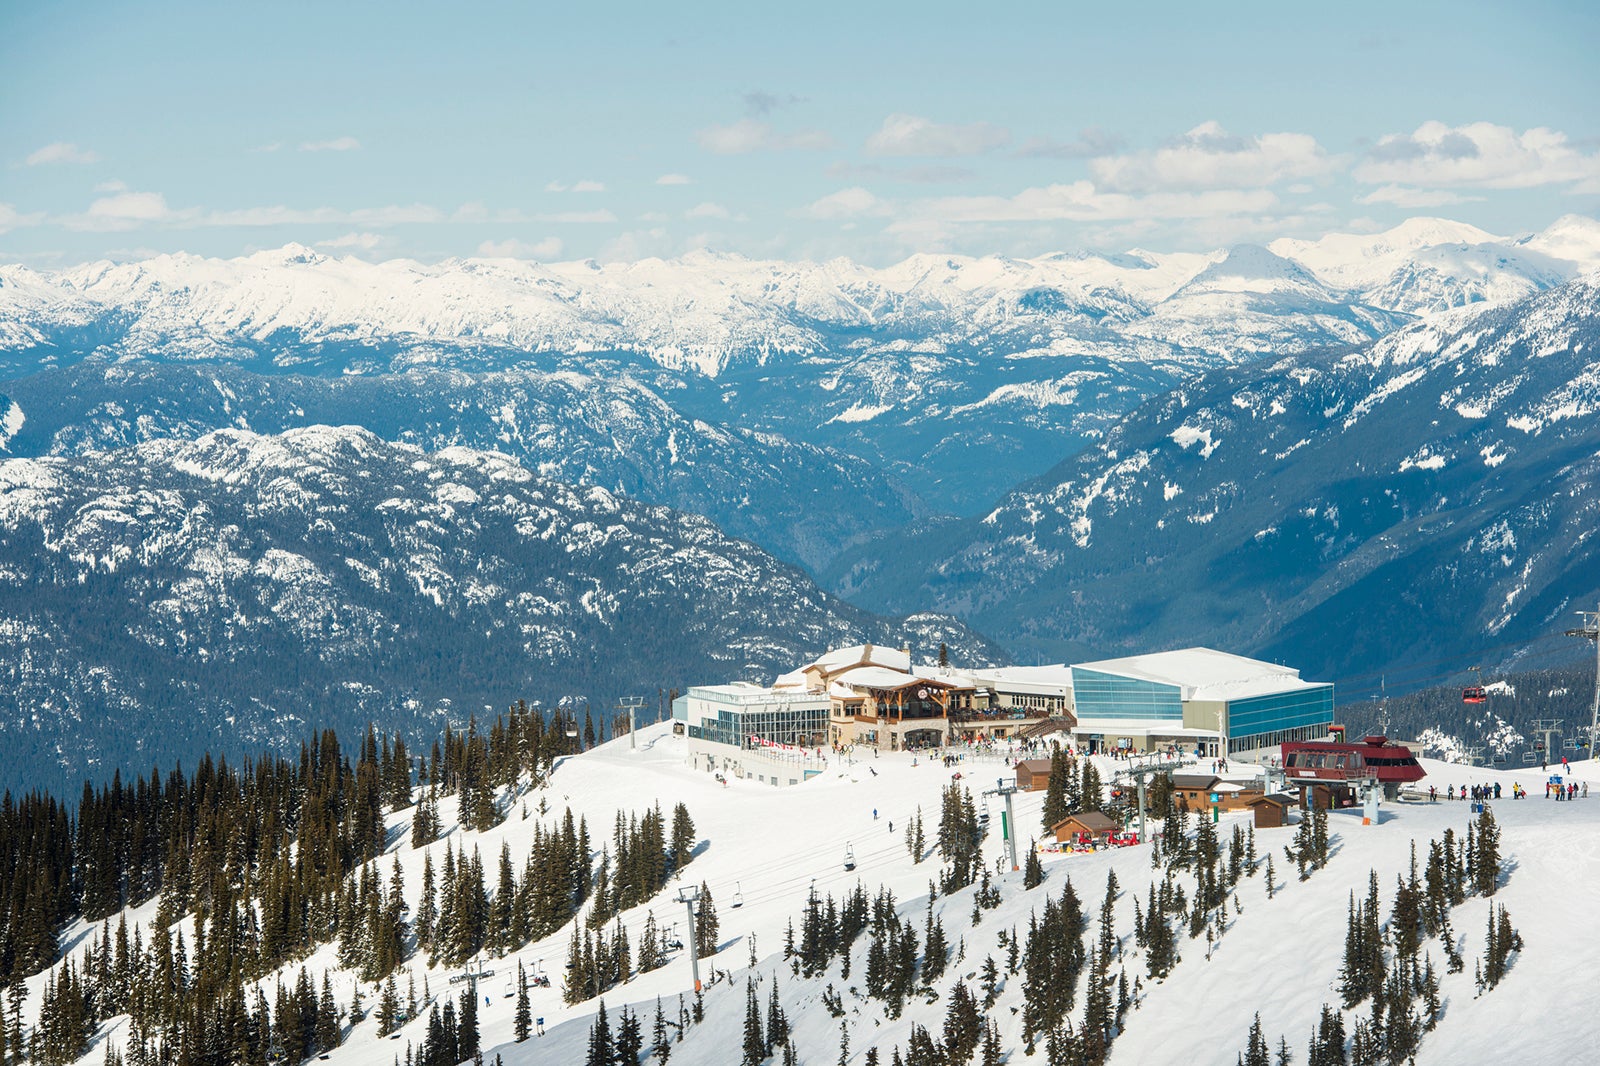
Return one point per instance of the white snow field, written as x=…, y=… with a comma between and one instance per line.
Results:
x=1279, y=957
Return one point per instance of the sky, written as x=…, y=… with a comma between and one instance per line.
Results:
x=617, y=131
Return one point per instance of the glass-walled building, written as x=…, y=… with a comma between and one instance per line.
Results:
x=754, y=732
x=1197, y=700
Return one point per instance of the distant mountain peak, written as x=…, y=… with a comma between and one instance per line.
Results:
x=1251, y=268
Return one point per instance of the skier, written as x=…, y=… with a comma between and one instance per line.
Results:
x=874, y=814
x=891, y=826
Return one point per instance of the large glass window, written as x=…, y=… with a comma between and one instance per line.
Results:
x=1102, y=695
x=1281, y=711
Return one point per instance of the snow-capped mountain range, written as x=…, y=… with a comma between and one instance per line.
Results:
x=232, y=592
x=1419, y=498
x=956, y=376
x=1376, y=437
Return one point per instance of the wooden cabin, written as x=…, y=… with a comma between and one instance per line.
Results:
x=1271, y=812
x=1091, y=825
x=1201, y=792
x=1033, y=774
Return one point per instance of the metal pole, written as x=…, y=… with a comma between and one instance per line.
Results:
x=1594, y=713
x=1591, y=631
x=631, y=704
x=688, y=896
x=1011, y=832
x=1139, y=777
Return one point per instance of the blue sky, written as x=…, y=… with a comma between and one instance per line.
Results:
x=866, y=130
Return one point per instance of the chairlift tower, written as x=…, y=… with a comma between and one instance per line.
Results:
x=631, y=704
x=689, y=895
x=1008, y=818
x=1474, y=755
x=1143, y=770
x=1590, y=630
x=1547, y=727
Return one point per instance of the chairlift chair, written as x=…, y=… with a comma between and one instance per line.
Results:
x=510, y=990
x=1499, y=758
x=849, y=858
x=738, y=895
x=1528, y=759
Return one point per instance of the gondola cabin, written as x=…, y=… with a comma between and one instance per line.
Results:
x=1474, y=694
x=1330, y=762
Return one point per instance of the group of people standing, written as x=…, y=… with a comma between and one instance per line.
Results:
x=1553, y=789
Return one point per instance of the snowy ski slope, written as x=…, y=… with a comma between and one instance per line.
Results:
x=1279, y=956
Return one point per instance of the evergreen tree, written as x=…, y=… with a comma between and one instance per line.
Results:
x=937, y=950
x=1256, y=1051
x=522, y=1026
x=705, y=924
x=601, y=1052
x=989, y=981
x=660, y=1044
x=630, y=1039
x=963, y=1025
x=389, y=1008
x=755, y=1044
x=327, y=1017
x=1485, y=870
x=1032, y=868
x=467, y=1026
x=777, y=1021
x=682, y=837
x=1055, y=793
x=1091, y=794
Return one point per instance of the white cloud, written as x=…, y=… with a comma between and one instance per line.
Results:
x=577, y=217
x=11, y=218
x=914, y=135
x=922, y=175
x=587, y=185
x=337, y=144
x=554, y=186
x=673, y=179
x=752, y=135
x=111, y=186
x=1480, y=154
x=365, y=241
x=708, y=210
x=279, y=215
x=1408, y=197
x=130, y=210
x=548, y=248
x=122, y=211
x=1209, y=157
x=60, y=152
x=1080, y=201
x=1091, y=142
x=634, y=245
x=853, y=202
